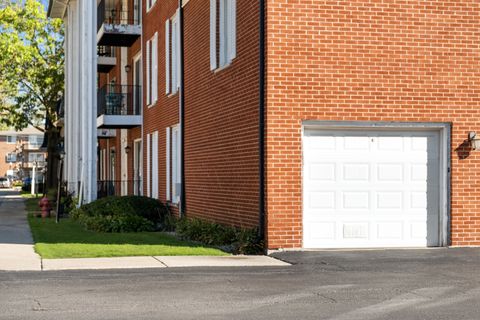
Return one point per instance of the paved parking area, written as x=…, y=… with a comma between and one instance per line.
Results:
x=381, y=284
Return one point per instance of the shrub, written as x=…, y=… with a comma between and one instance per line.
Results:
x=17, y=184
x=233, y=239
x=122, y=214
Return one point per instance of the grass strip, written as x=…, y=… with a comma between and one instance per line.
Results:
x=68, y=239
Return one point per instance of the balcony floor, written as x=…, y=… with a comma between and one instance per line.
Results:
x=118, y=35
x=118, y=121
x=106, y=64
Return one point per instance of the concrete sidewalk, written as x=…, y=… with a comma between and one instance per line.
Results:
x=160, y=262
x=16, y=243
x=17, y=253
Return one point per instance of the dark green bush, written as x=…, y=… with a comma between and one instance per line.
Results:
x=122, y=214
x=234, y=239
x=116, y=223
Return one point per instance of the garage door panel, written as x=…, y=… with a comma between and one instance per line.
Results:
x=322, y=200
x=357, y=172
x=390, y=230
x=392, y=200
x=322, y=172
x=355, y=143
x=370, y=189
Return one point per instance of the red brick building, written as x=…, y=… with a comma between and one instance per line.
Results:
x=327, y=124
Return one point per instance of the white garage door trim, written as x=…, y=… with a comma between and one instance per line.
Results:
x=443, y=130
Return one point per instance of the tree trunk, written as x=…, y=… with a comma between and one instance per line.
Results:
x=53, y=157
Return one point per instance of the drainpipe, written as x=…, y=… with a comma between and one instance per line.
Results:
x=261, y=124
x=181, y=103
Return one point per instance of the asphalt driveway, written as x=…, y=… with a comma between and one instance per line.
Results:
x=394, y=284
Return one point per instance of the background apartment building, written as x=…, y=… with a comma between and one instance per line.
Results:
x=327, y=125
x=20, y=152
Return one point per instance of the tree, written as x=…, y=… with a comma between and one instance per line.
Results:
x=31, y=71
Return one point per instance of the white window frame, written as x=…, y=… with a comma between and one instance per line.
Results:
x=155, y=165
x=13, y=139
x=11, y=157
x=175, y=163
x=222, y=52
x=172, y=55
x=138, y=58
x=148, y=167
x=150, y=4
x=167, y=169
x=148, y=72
x=152, y=70
x=138, y=166
x=35, y=140
x=36, y=156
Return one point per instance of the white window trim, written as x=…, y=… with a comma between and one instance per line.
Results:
x=148, y=166
x=172, y=55
x=155, y=68
x=148, y=73
x=152, y=70
x=33, y=156
x=168, y=173
x=175, y=164
x=155, y=165
x=150, y=4
x=14, y=140
x=138, y=160
x=167, y=56
x=227, y=47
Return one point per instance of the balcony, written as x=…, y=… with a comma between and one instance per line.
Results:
x=119, y=107
x=106, y=188
x=106, y=133
x=116, y=26
x=106, y=59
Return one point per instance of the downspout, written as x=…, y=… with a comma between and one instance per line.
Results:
x=261, y=124
x=181, y=102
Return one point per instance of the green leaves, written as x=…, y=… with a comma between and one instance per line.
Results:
x=31, y=63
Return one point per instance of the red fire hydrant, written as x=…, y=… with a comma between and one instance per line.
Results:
x=45, y=206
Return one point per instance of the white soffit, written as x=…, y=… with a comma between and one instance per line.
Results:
x=57, y=8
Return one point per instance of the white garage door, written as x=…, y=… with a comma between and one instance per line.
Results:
x=370, y=189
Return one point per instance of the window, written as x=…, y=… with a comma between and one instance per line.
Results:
x=174, y=182
x=150, y=4
x=11, y=157
x=11, y=139
x=152, y=70
x=223, y=50
x=172, y=54
x=35, y=156
x=35, y=141
x=155, y=165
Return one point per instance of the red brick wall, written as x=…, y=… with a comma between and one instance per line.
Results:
x=221, y=115
x=164, y=113
x=4, y=149
x=370, y=61
x=221, y=120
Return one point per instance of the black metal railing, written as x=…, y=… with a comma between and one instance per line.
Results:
x=105, y=51
x=119, y=100
x=117, y=15
x=107, y=188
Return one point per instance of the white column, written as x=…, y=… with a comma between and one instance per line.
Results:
x=123, y=133
x=75, y=139
x=91, y=103
x=88, y=102
x=33, y=183
x=66, y=100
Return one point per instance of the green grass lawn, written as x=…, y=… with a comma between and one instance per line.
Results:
x=68, y=239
